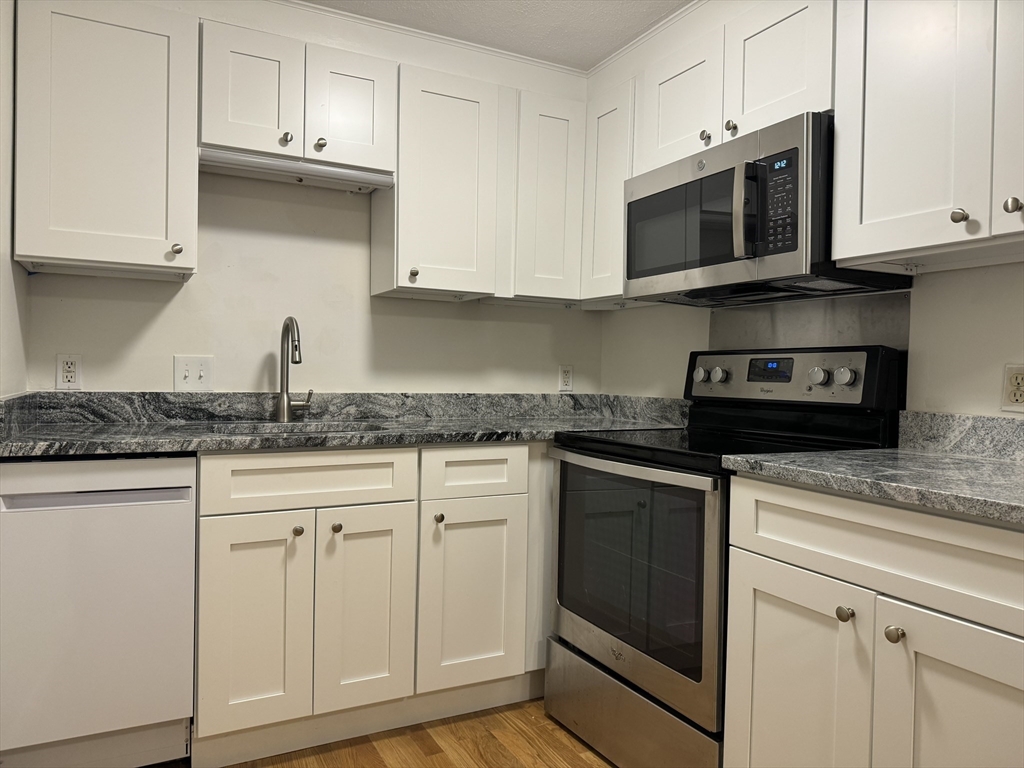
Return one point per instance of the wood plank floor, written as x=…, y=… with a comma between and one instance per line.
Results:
x=514, y=736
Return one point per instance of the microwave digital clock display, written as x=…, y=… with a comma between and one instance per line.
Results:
x=781, y=164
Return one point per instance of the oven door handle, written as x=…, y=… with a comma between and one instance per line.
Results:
x=739, y=243
x=683, y=479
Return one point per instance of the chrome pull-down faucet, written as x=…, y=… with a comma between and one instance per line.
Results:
x=291, y=347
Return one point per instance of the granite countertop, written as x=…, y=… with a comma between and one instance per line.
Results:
x=970, y=486
x=191, y=437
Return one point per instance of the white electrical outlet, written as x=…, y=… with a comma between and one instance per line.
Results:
x=1013, y=389
x=193, y=373
x=69, y=371
x=565, y=378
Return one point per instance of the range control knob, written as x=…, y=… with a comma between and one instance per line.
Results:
x=700, y=374
x=845, y=376
x=718, y=375
x=818, y=376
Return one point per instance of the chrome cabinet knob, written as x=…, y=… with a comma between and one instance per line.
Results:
x=439, y=518
x=844, y=614
x=336, y=527
x=1012, y=205
x=298, y=530
x=414, y=272
x=177, y=248
x=845, y=376
x=959, y=215
x=894, y=634
x=705, y=136
x=320, y=143
x=700, y=374
x=718, y=375
x=818, y=376
x=287, y=137
x=730, y=125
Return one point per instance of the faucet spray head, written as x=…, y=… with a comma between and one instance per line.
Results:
x=296, y=352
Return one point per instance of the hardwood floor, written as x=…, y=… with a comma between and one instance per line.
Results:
x=514, y=736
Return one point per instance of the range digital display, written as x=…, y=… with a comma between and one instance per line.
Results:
x=770, y=369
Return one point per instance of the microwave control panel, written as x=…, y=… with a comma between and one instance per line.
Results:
x=783, y=201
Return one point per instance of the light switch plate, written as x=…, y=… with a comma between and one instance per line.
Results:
x=193, y=373
x=1013, y=389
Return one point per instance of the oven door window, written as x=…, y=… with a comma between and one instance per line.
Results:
x=631, y=562
x=687, y=227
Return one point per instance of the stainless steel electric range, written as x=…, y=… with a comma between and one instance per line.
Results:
x=635, y=666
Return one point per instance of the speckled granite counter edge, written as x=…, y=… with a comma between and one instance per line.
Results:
x=993, y=437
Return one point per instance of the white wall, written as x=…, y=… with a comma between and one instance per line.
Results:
x=965, y=326
x=13, y=289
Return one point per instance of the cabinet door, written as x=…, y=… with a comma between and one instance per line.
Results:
x=798, y=680
x=913, y=136
x=681, y=96
x=949, y=693
x=472, y=607
x=252, y=90
x=255, y=648
x=364, y=645
x=778, y=63
x=609, y=161
x=549, y=212
x=351, y=108
x=447, y=193
x=1008, y=131
x=106, y=135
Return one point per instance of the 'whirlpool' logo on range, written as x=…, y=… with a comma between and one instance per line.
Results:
x=766, y=390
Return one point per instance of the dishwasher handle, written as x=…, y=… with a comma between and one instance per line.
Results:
x=33, y=502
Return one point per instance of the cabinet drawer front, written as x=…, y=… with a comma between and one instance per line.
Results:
x=263, y=482
x=463, y=472
x=954, y=566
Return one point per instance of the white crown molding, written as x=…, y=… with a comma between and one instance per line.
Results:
x=657, y=29
x=398, y=28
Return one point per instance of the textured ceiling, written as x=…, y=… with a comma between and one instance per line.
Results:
x=574, y=33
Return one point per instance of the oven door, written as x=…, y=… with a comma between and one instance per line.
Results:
x=640, y=584
x=695, y=223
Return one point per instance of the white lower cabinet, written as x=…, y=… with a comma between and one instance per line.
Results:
x=364, y=643
x=947, y=692
x=472, y=591
x=255, y=648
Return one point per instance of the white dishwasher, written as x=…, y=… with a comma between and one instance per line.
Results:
x=97, y=614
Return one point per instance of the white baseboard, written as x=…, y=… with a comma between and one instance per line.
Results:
x=241, y=746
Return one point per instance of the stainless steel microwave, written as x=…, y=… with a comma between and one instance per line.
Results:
x=744, y=222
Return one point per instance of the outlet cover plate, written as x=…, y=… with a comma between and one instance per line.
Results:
x=193, y=373
x=1013, y=389
x=69, y=372
x=565, y=378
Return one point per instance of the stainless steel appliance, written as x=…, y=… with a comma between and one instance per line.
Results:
x=635, y=666
x=746, y=221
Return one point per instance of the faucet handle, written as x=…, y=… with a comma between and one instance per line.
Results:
x=303, y=404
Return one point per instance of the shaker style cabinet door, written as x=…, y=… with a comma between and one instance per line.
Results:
x=472, y=591
x=448, y=189
x=947, y=692
x=1008, y=130
x=107, y=173
x=798, y=677
x=550, y=206
x=351, y=108
x=778, y=63
x=609, y=162
x=255, y=647
x=681, y=98
x=252, y=90
x=913, y=133
x=364, y=642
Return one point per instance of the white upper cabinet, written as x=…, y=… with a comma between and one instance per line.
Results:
x=778, y=63
x=351, y=108
x=913, y=137
x=550, y=196
x=447, y=196
x=1008, y=131
x=681, y=98
x=947, y=692
x=107, y=174
x=252, y=90
x=609, y=161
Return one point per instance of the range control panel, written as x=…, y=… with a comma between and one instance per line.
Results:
x=828, y=376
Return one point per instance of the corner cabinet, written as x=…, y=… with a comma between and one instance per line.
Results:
x=107, y=177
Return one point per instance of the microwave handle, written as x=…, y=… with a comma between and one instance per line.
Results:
x=739, y=244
